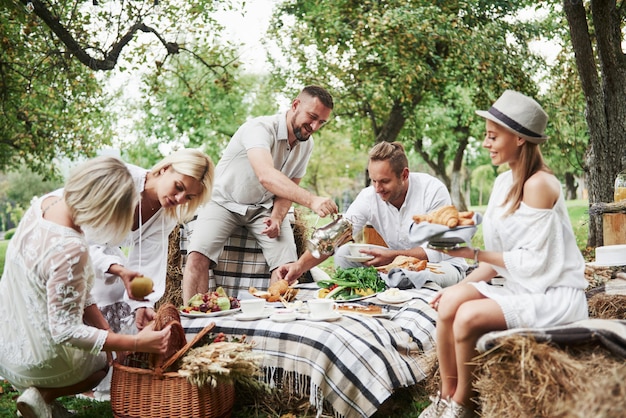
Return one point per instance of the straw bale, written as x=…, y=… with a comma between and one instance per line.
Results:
x=605, y=306
x=174, y=276
x=525, y=378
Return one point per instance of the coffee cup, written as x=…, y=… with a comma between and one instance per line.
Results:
x=320, y=308
x=252, y=307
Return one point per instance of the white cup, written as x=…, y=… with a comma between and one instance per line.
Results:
x=320, y=308
x=252, y=307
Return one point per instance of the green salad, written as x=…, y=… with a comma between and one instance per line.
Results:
x=351, y=283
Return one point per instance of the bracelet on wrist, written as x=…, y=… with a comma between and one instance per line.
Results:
x=476, y=251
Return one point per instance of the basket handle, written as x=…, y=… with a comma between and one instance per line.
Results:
x=182, y=351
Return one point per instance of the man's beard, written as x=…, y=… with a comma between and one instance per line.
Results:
x=297, y=131
x=298, y=135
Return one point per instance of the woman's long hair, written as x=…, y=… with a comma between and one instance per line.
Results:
x=530, y=161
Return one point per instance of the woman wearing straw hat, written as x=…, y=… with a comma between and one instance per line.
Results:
x=529, y=241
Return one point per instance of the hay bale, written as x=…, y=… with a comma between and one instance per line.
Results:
x=605, y=306
x=174, y=276
x=525, y=378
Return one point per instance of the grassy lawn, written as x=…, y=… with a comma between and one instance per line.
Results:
x=407, y=404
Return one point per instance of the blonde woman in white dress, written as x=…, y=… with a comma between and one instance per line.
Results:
x=54, y=339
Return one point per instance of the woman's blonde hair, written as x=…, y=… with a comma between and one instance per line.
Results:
x=100, y=194
x=195, y=164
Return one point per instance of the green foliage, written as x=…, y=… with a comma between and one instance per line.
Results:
x=17, y=189
x=410, y=71
x=190, y=106
x=51, y=105
x=52, y=102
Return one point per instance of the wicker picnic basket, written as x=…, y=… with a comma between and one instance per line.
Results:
x=157, y=392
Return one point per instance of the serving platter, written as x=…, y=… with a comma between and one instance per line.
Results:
x=354, y=299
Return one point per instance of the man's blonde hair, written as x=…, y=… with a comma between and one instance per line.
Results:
x=100, y=194
x=392, y=152
x=195, y=164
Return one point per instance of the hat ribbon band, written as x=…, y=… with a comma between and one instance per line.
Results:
x=512, y=124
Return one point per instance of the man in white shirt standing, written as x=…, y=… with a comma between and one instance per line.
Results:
x=256, y=181
x=395, y=195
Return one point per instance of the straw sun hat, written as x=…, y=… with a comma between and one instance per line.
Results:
x=519, y=114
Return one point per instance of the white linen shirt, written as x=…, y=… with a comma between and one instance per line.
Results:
x=236, y=185
x=425, y=194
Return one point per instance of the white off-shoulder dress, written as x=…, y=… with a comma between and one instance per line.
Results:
x=544, y=269
x=43, y=292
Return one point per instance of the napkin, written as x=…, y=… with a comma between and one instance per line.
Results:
x=405, y=279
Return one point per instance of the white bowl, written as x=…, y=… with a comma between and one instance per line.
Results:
x=355, y=249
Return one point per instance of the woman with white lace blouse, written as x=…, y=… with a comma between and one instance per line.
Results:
x=54, y=340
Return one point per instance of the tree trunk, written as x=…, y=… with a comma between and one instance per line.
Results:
x=604, y=96
x=570, y=186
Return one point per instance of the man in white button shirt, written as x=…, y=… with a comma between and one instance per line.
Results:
x=395, y=195
x=256, y=181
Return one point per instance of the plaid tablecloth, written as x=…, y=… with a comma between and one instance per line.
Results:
x=240, y=266
x=353, y=364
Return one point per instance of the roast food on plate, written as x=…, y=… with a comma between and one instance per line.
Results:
x=404, y=262
x=278, y=291
x=448, y=216
x=210, y=302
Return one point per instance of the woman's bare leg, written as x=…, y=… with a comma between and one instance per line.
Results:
x=50, y=394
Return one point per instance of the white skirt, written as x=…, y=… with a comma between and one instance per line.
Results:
x=521, y=309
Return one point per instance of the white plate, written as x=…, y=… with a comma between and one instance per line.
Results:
x=209, y=314
x=283, y=317
x=400, y=297
x=330, y=317
x=355, y=299
x=360, y=259
x=265, y=314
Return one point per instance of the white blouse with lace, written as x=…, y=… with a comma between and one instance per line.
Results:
x=43, y=292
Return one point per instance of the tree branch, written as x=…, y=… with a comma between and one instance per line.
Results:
x=111, y=57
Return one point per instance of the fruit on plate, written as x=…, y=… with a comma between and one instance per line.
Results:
x=209, y=302
x=141, y=286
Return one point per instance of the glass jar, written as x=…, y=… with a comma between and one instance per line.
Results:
x=620, y=184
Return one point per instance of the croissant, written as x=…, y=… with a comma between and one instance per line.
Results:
x=448, y=216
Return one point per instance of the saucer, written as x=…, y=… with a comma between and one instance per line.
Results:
x=283, y=317
x=333, y=316
x=243, y=317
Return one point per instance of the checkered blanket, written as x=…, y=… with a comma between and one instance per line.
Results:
x=353, y=364
x=240, y=266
